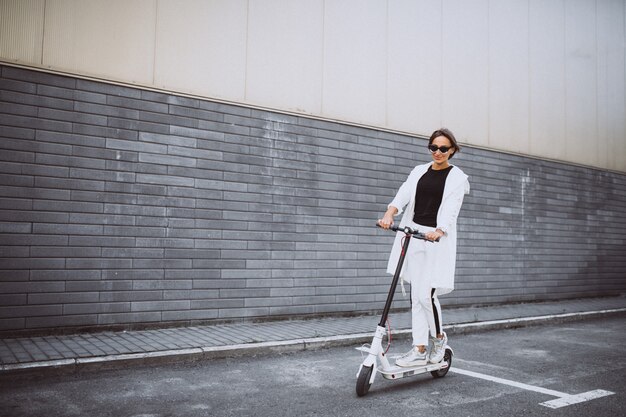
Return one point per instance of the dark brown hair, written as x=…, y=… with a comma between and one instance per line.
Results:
x=447, y=134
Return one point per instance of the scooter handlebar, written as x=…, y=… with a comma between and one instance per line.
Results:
x=408, y=231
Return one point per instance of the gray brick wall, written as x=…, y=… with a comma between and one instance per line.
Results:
x=125, y=207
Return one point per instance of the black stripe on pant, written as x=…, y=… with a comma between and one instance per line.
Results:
x=435, y=312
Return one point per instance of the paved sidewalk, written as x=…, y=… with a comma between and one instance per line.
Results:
x=110, y=349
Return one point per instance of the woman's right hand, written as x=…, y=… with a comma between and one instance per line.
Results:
x=387, y=221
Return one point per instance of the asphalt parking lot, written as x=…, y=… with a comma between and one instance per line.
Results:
x=538, y=371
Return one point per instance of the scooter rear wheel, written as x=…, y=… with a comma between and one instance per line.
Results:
x=363, y=381
x=442, y=372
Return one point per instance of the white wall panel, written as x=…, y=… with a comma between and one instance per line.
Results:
x=611, y=70
x=414, y=65
x=355, y=67
x=508, y=75
x=285, y=54
x=466, y=69
x=112, y=39
x=547, y=78
x=580, y=81
x=201, y=47
x=21, y=30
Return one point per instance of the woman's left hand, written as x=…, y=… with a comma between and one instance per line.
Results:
x=432, y=236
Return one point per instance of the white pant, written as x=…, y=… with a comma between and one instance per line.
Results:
x=425, y=307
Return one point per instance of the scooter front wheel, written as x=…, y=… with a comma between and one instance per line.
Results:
x=442, y=372
x=363, y=380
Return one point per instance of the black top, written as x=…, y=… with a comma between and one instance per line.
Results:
x=428, y=195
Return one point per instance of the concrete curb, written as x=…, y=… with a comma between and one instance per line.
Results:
x=282, y=346
x=529, y=321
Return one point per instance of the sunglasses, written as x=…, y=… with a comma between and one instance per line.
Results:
x=442, y=149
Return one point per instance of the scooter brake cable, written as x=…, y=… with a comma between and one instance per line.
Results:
x=388, y=336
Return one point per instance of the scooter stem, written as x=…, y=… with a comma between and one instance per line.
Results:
x=396, y=277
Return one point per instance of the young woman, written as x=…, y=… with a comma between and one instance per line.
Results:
x=432, y=194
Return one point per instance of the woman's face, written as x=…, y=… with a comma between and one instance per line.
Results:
x=440, y=159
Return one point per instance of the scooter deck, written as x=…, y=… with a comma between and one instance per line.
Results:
x=397, y=372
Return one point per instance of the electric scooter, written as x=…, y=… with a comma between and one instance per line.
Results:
x=376, y=359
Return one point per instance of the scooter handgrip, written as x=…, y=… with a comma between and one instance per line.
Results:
x=393, y=227
x=423, y=237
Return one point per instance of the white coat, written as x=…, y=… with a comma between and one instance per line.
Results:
x=442, y=254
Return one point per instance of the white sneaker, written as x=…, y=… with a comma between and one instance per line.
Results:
x=412, y=358
x=438, y=351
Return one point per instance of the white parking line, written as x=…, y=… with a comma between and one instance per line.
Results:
x=563, y=399
x=575, y=399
